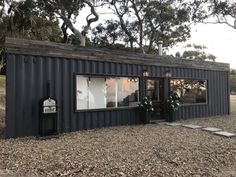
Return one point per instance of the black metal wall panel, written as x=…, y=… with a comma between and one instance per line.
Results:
x=27, y=78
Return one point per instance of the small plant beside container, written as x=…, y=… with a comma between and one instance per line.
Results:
x=146, y=108
x=172, y=105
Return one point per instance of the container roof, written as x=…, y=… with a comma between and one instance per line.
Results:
x=59, y=50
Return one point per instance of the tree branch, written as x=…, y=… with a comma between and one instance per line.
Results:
x=219, y=22
x=123, y=26
x=90, y=20
x=69, y=24
x=140, y=23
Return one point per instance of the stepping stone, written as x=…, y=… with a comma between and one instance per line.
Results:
x=211, y=129
x=225, y=134
x=173, y=124
x=191, y=126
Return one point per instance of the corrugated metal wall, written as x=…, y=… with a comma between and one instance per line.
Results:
x=27, y=79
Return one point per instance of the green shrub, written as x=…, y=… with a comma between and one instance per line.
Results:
x=173, y=102
x=146, y=105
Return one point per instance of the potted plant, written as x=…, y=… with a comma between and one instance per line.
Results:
x=172, y=104
x=146, y=108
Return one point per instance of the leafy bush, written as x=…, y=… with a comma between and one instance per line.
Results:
x=173, y=102
x=146, y=105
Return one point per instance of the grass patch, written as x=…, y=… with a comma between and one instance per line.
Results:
x=2, y=82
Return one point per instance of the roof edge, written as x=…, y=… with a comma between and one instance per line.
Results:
x=59, y=50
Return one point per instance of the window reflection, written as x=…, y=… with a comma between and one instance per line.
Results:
x=190, y=91
x=153, y=89
x=111, y=86
x=127, y=92
x=97, y=93
x=82, y=92
x=105, y=92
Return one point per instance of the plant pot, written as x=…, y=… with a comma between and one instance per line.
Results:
x=146, y=117
x=170, y=117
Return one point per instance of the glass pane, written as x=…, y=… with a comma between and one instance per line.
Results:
x=153, y=89
x=190, y=91
x=82, y=92
x=111, y=86
x=127, y=91
x=97, y=93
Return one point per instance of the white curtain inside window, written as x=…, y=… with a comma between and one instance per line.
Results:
x=82, y=92
x=97, y=93
x=105, y=92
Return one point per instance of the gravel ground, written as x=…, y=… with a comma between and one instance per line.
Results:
x=226, y=123
x=144, y=150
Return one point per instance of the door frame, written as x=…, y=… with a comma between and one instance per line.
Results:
x=161, y=92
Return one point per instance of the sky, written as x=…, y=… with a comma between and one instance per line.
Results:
x=219, y=39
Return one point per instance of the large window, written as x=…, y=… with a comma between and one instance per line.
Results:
x=106, y=92
x=190, y=91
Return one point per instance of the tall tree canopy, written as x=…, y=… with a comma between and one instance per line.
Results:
x=68, y=12
x=134, y=23
x=39, y=19
x=24, y=19
x=196, y=52
x=214, y=11
x=143, y=23
x=232, y=80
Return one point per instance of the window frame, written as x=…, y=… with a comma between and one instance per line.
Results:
x=101, y=76
x=193, y=78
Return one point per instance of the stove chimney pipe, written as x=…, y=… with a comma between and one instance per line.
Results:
x=159, y=44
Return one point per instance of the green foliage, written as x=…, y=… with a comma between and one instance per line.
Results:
x=214, y=11
x=177, y=54
x=233, y=72
x=143, y=23
x=232, y=80
x=199, y=55
x=68, y=12
x=167, y=21
x=140, y=24
x=146, y=105
x=106, y=34
x=25, y=20
x=173, y=102
x=196, y=52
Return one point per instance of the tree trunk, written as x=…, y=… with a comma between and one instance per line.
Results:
x=131, y=45
x=151, y=42
x=80, y=35
x=140, y=24
x=65, y=35
x=141, y=37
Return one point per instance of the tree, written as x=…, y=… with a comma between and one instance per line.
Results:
x=24, y=19
x=233, y=72
x=214, y=11
x=2, y=8
x=127, y=29
x=144, y=23
x=196, y=52
x=105, y=34
x=232, y=80
x=68, y=12
x=167, y=21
